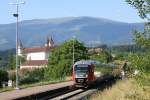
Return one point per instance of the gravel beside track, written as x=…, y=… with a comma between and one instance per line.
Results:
x=33, y=92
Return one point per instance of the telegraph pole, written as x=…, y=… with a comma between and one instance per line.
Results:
x=73, y=51
x=17, y=15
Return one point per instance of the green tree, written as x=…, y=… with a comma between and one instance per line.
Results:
x=21, y=59
x=65, y=52
x=142, y=61
x=3, y=76
x=61, y=58
x=143, y=38
x=11, y=60
x=104, y=56
x=143, y=7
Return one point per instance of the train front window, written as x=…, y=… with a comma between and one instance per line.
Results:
x=81, y=68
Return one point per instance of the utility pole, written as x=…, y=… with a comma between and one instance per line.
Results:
x=17, y=15
x=73, y=50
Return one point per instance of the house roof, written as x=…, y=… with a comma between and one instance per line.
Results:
x=37, y=49
x=35, y=63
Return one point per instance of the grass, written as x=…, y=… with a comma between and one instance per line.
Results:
x=143, y=80
x=68, y=78
x=104, y=69
x=6, y=89
x=124, y=90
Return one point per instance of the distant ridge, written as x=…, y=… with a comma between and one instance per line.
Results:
x=89, y=30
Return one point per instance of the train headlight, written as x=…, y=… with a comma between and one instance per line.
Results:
x=77, y=76
x=86, y=75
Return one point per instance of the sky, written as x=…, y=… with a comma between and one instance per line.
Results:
x=117, y=10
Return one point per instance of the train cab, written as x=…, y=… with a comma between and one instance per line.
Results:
x=83, y=73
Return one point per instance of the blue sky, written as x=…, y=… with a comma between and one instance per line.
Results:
x=117, y=10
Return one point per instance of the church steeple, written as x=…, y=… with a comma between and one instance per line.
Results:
x=20, y=48
x=49, y=42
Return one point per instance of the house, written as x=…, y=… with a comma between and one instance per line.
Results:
x=95, y=50
x=36, y=57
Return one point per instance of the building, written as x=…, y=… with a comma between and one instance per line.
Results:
x=95, y=50
x=36, y=57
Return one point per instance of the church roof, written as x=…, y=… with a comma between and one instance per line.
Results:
x=37, y=49
x=35, y=63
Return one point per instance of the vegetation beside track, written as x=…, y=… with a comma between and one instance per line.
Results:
x=124, y=90
x=137, y=84
x=68, y=78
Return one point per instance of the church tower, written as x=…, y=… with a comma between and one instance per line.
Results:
x=20, y=48
x=49, y=42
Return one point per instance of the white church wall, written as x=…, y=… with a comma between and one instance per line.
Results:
x=36, y=56
x=19, y=52
x=32, y=66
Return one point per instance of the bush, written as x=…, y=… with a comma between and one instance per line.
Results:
x=140, y=62
x=57, y=72
x=12, y=75
x=3, y=76
x=33, y=76
x=121, y=56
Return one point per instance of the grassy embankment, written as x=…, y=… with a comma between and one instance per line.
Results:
x=124, y=90
x=36, y=84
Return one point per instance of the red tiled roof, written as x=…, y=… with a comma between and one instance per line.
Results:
x=35, y=63
x=37, y=49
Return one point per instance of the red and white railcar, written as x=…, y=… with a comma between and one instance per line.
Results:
x=83, y=73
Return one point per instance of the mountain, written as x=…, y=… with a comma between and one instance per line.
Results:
x=89, y=30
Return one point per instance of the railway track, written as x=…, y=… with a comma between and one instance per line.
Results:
x=70, y=92
x=69, y=95
x=48, y=94
x=79, y=94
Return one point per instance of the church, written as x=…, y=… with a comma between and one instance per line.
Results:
x=36, y=57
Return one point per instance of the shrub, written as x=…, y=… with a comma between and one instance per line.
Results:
x=12, y=75
x=32, y=76
x=140, y=62
x=3, y=76
x=57, y=72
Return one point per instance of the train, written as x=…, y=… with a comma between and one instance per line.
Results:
x=84, y=73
